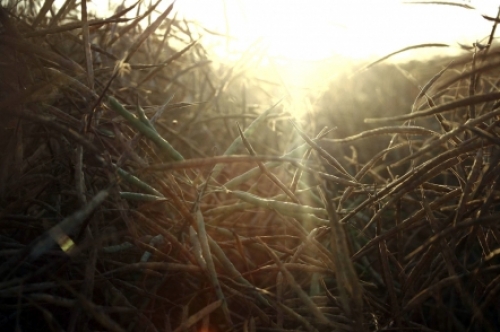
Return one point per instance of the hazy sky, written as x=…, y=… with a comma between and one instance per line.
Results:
x=316, y=29
x=358, y=28
x=327, y=29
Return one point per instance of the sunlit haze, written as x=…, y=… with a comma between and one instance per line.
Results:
x=318, y=29
x=302, y=35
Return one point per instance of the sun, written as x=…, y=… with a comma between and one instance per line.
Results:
x=318, y=29
x=311, y=30
x=306, y=42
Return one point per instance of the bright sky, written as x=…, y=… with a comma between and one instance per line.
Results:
x=311, y=30
x=318, y=29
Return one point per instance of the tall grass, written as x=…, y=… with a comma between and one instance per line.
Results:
x=140, y=190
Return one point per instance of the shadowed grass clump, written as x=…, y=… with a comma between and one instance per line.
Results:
x=131, y=199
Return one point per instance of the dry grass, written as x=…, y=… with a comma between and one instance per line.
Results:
x=118, y=214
